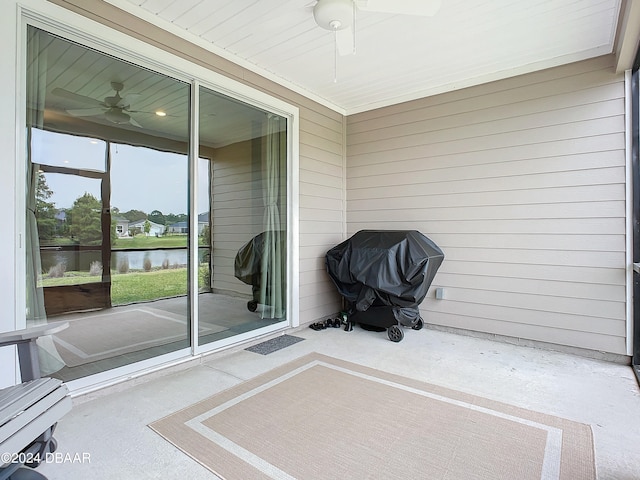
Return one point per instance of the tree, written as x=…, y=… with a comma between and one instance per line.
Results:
x=206, y=236
x=134, y=215
x=147, y=227
x=157, y=217
x=45, y=210
x=172, y=218
x=85, y=220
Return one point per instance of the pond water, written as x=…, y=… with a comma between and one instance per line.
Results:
x=81, y=261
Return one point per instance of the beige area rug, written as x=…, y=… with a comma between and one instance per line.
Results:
x=94, y=336
x=323, y=418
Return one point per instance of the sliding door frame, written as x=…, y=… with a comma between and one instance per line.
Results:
x=635, y=186
x=68, y=25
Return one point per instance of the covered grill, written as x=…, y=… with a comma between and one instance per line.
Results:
x=383, y=276
x=248, y=263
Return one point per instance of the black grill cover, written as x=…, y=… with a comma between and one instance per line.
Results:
x=248, y=261
x=388, y=267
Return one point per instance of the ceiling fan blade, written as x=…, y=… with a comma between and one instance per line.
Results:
x=85, y=112
x=344, y=39
x=60, y=92
x=120, y=102
x=426, y=8
x=133, y=122
x=128, y=99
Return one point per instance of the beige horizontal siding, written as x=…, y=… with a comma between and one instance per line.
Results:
x=521, y=182
x=236, y=214
x=321, y=207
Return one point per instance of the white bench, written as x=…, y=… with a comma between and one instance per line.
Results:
x=29, y=411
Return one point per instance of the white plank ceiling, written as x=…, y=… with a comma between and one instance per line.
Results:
x=399, y=57
x=78, y=79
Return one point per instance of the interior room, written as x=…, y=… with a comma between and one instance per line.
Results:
x=179, y=175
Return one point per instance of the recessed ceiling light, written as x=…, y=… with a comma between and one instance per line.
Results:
x=160, y=113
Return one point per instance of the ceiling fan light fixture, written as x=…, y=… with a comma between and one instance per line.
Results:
x=333, y=14
x=115, y=115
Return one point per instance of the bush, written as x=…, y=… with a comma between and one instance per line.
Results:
x=58, y=270
x=146, y=264
x=95, y=268
x=123, y=265
x=165, y=264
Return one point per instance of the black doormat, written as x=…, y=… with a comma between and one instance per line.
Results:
x=275, y=344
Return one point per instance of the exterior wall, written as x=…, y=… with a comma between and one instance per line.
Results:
x=322, y=210
x=521, y=182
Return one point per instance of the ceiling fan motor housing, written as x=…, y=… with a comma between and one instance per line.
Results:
x=333, y=14
x=116, y=115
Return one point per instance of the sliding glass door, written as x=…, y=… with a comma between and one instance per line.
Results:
x=244, y=154
x=114, y=229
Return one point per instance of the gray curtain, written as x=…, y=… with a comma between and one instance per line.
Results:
x=50, y=360
x=273, y=271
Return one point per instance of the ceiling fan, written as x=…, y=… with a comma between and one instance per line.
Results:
x=115, y=108
x=339, y=16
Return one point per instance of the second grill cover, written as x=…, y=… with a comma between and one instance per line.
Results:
x=248, y=261
x=395, y=267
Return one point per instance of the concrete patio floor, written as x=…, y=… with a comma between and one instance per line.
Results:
x=106, y=436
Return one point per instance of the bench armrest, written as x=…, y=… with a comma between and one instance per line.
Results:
x=25, y=339
x=27, y=334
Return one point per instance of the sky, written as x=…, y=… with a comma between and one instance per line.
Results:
x=141, y=178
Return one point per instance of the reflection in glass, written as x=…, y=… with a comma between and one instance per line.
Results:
x=79, y=152
x=69, y=230
x=151, y=237
x=108, y=239
x=244, y=152
x=106, y=200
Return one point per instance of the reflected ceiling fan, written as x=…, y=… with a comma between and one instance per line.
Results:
x=115, y=108
x=339, y=16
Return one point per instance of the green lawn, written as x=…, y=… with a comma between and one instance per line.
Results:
x=143, y=242
x=136, y=286
x=139, y=241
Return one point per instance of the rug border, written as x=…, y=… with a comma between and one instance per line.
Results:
x=589, y=470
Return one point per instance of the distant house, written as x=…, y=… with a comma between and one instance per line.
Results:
x=122, y=226
x=61, y=220
x=178, y=227
x=155, y=229
x=183, y=227
x=203, y=221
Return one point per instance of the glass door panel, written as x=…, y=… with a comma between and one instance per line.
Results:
x=244, y=155
x=107, y=201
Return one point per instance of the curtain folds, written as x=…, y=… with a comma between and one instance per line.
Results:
x=273, y=271
x=50, y=360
